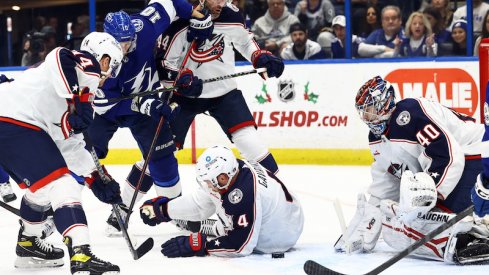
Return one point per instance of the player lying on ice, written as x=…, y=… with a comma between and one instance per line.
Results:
x=256, y=212
x=427, y=158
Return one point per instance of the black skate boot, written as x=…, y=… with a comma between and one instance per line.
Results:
x=82, y=261
x=113, y=229
x=6, y=192
x=471, y=249
x=35, y=252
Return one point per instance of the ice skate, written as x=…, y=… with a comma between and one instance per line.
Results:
x=113, y=229
x=83, y=261
x=6, y=192
x=35, y=252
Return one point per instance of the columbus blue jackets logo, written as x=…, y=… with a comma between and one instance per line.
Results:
x=211, y=50
x=403, y=118
x=235, y=196
x=286, y=90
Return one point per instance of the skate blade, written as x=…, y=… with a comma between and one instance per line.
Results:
x=112, y=232
x=32, y=262
x=96, y=273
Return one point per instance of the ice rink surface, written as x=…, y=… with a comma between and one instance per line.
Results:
x=316, y=187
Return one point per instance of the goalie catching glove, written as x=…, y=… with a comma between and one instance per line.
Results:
x=418, y=195
x=185, y=246
x=364, y=229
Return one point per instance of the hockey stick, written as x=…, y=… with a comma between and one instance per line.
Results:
x=169, y=89
x=147, y=245
x=10, y=208
x=155, y=138
x=313, y=268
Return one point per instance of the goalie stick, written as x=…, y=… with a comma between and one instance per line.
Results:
x=169, y=89
x=147, y=245
x=313, y=268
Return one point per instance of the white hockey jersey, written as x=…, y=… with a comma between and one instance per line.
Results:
x=39, y=97
x=424, y=136
x=213, y=58
x=265, y=217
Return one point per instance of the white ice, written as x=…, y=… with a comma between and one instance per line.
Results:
x=316, y=186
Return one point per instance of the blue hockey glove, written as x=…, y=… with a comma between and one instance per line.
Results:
x=480, y=196
x=4, y=78
x=189, y=85
x=81, y=114
x=185, y=246
x=155, y=108
x=200, y=29
x=107, y=192
x=265, y=59
x=154, y=211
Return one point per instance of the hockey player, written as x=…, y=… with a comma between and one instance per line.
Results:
x=424, y=169
x=256, y=211
x=138, y=74
x=222, y=100
x=42, y=115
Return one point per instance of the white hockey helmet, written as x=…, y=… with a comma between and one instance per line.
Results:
x=99, y=44
x=213, y=162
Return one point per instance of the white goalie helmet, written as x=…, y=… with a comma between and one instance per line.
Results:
x=99, y=44
x=213, y=162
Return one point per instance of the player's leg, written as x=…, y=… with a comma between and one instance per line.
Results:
x=6, y=191
x=235, y=118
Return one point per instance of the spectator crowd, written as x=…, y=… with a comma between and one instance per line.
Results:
x=316, y=29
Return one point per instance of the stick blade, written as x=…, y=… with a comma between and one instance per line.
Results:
x=144, y=248
x=313, y=268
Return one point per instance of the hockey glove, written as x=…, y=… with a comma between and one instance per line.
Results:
x=189, y=85
x=480, y=196
x=155, y=108
x=418, y=195
x=200, y=29
x=81, y=111
x=107, y=192
x=185, y=246
x=265, y=59
x=4, y=78
x=154, y=211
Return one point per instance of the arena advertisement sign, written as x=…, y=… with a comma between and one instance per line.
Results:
x=452, y=87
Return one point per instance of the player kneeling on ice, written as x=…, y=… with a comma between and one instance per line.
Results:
x=42, y=115
x=427, y=158
x=256, y=211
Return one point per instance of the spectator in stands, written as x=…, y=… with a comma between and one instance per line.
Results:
x=315, y=14
x=272, y=30
x=255, y=9
x=301, y=47
x=358, y=11
x=445, y=11
x=443, y=38
x=370, y=22
x=419, y=39
x=484, y=34
x=380, y=43
x=479, y=9
x=459, y=37
x=34, y=49
x=49, y=38
x=337, y=45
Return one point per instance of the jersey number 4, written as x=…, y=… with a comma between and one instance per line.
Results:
x=243, y=221
x=426, y=135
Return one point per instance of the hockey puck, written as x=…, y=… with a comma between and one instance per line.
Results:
x=278, y=255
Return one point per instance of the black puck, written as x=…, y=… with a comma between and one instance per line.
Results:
x=278, y=255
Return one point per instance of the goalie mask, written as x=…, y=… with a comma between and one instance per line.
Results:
x=375, y=102
x=100, y=44
x=213, y=162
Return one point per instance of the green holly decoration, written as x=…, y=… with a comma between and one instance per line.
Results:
x=312, y=97
x=260, y=98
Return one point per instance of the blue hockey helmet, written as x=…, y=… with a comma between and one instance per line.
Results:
x=375, y=102
x=119, y=25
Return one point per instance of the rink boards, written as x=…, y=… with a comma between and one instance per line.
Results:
x=308, y=116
